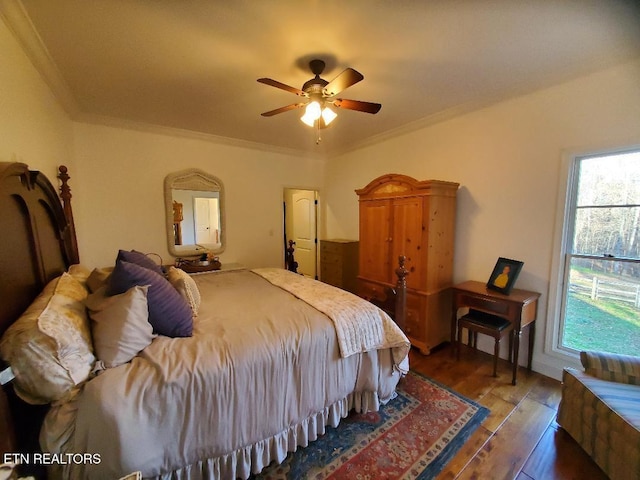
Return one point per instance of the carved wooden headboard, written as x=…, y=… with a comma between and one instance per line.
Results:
x=38, y=244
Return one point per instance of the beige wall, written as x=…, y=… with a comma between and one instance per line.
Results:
x=119, y=197
x=507, y=159
x=34, y=129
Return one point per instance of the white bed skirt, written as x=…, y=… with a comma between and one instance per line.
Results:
x=254, y=458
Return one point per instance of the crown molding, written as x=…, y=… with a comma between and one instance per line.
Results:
x=107, y=121
x=419, y=124
x=17, y=20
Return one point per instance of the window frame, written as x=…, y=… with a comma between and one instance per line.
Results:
x=563, y=242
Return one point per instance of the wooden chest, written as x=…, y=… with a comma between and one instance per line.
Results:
x=339, y=263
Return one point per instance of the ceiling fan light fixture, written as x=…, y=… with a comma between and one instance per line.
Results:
x=328, y=115
x=307, y=119
x=313, y=111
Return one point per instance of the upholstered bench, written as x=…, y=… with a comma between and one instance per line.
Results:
x=600, y=409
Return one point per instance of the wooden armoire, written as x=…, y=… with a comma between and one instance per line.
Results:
x=403, y=216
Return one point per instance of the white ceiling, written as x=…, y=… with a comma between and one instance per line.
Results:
x=192, y=65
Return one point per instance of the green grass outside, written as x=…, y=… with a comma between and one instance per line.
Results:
x=604, y=325
x=601, y=325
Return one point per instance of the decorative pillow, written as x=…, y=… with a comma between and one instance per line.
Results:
x=140, y=259
x=119, y=325
x=169, y=313
x=98, y=278
x=49, y=347
x=186, y=286
x=80, y=273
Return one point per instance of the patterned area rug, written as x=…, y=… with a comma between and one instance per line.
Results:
x=412, y=437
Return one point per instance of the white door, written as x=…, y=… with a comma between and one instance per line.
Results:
x=205, y=230
x=300, y=211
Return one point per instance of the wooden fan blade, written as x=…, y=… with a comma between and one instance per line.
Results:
x=344, y=80
x=282, y=86
x=283, y=109
x=367, y=107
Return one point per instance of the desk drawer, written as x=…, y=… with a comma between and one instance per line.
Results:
x=486, y=304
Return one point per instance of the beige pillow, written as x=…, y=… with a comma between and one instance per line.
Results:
x=80, y=273
x=186, y=286
x=120, y=325
x=98, y=278
x=49, y=347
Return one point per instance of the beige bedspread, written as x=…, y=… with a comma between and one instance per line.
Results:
x=261, y=375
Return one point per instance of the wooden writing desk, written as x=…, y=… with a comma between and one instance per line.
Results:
x=519, y=307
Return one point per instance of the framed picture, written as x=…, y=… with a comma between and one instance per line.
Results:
x=504, y=275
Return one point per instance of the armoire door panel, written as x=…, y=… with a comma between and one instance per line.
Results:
x=407, y=237
x=440, y=239
x=375, y=220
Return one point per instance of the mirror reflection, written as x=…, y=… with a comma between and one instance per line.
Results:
x=194, y=201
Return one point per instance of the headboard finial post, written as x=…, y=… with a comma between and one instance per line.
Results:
x=401, y=292
x=289, y=259
x=65, y=194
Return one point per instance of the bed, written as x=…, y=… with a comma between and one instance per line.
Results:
x=269, y=361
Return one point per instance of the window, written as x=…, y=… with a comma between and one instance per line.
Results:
x=601, y=271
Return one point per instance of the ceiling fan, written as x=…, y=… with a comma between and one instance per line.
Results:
x=322, y=94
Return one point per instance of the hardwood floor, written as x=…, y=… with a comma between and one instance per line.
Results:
x=520, y=439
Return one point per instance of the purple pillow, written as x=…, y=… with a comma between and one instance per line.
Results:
x=169, y=313
x=140, y=259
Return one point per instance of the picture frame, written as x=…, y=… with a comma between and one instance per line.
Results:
x=504, y=275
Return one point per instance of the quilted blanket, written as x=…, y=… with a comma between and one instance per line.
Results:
x=360, y=325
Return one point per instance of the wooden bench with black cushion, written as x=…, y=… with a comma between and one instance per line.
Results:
x=476, y=322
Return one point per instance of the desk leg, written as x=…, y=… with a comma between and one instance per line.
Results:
x=516, y=350
x=454, y=330
x=532, y=336
x=511, y=348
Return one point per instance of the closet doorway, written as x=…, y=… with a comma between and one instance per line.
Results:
x=300, y=225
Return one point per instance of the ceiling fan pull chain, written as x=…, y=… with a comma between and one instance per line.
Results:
x=318, y=137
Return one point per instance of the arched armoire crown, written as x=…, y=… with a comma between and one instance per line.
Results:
x=403, y=216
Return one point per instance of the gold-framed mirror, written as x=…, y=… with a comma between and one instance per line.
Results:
x=195, y=218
